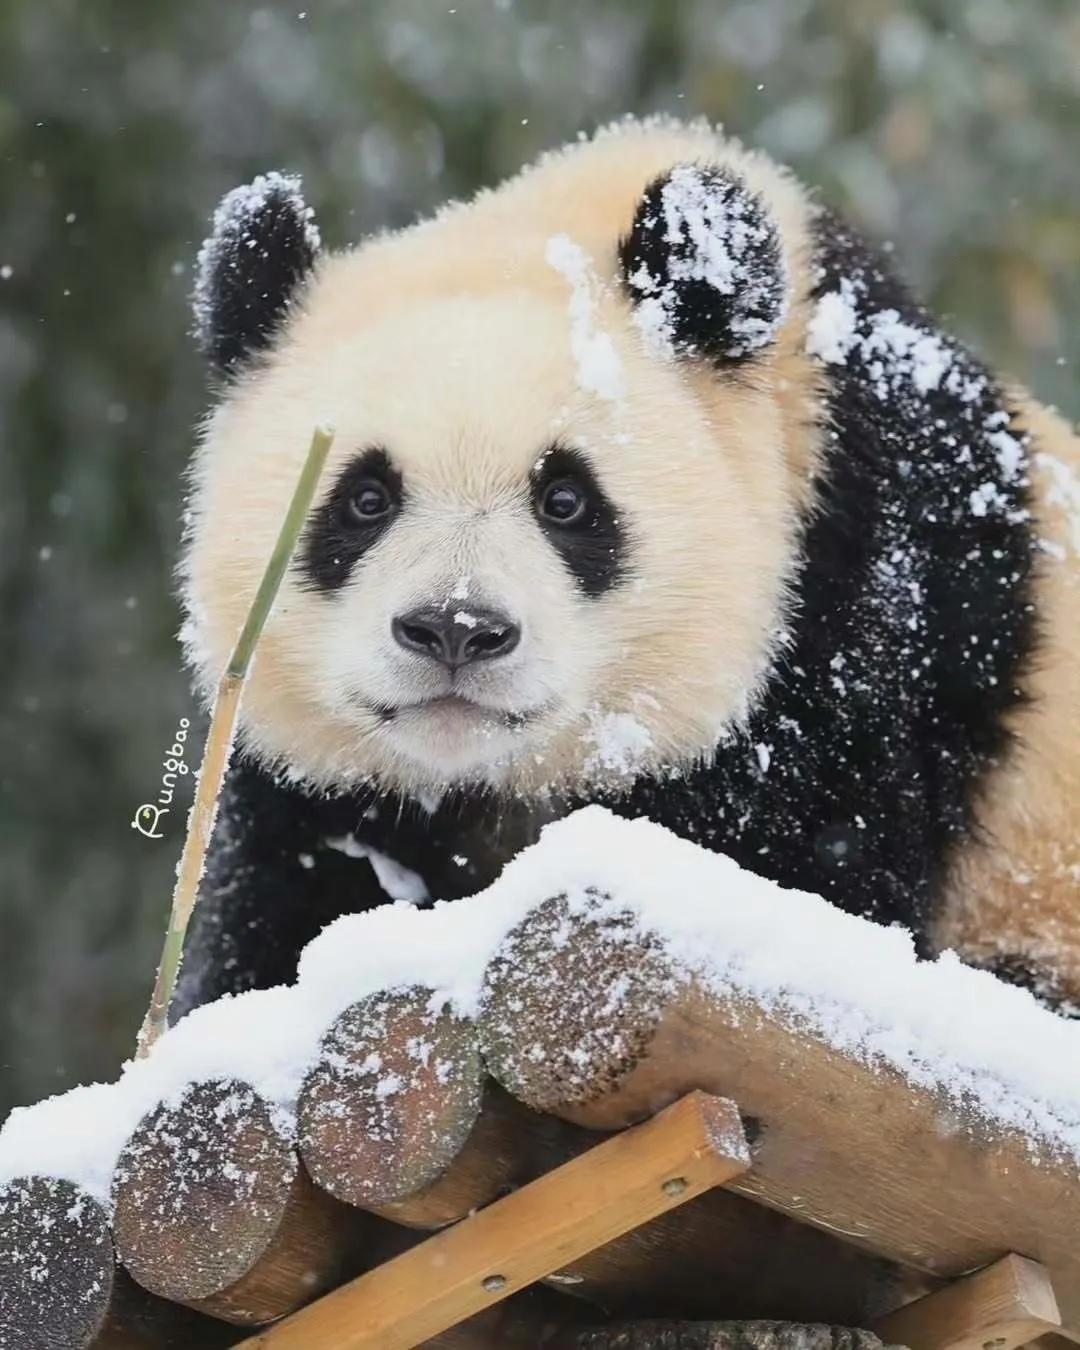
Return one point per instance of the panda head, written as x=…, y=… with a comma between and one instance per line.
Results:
x=550, y=544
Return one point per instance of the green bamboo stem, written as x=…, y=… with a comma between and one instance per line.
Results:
x=219, y=743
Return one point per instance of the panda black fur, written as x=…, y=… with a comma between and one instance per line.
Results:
x=876, y=709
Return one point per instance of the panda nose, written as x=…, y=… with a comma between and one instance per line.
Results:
x=456, y=638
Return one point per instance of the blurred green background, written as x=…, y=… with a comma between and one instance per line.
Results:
x=949, y=127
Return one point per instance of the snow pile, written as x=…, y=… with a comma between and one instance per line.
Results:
x=599, y=370
x=854, y=984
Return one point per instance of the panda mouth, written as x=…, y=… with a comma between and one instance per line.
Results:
x=454, y=704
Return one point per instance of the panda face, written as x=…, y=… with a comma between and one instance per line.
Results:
x=542, y=556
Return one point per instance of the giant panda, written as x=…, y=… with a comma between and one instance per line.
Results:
x=652, y=486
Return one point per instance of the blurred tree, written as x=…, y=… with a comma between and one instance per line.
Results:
x=949, y=126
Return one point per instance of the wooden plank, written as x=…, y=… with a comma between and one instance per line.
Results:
x=692, y=1146
x=1004, y=1306
x=586, y=1017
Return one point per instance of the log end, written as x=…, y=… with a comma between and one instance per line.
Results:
x=200, y=1189
x=570, y=1002
x=56, y=1265
x=392, y=1099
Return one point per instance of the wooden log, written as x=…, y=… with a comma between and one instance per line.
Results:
x=367, y=1146
x=694, y=1145
x=60, y=1286
x=727, y=1335
x=510, y=1144
x=214, y=1210
x=392, y=1099
x=398, y=1117
x=1006, y=1305
x=586, y=1019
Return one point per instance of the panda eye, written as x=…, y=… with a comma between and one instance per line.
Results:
x=371, y=501
x=563, y=502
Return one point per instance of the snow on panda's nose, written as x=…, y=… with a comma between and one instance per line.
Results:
x=456, y=637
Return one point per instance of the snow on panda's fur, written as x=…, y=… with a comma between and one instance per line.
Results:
x=651, y=485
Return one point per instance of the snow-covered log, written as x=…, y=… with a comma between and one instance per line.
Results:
x=214, y=1209
x=60, y=1285
x=921, y=1117
x=393, y=1117
x=397, y=1114
x=589, y=1019
x=392, y=1099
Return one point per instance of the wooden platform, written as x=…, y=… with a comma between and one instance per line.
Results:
x=609, y=1151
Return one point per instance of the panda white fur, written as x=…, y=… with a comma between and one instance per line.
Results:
x=651, y=485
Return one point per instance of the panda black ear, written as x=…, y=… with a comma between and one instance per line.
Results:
x=263, y=245
x=703, y=266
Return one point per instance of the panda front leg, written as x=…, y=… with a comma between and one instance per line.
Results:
x=272, y=882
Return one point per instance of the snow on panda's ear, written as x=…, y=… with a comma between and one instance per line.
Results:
x=263, y=245
x=703, y=266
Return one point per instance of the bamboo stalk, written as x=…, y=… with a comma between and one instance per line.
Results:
x=219, y=744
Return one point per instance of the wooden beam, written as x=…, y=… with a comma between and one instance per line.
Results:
x=692, y=1146
x=1001, y=1307
x=588, y=1018
x=535, y=1318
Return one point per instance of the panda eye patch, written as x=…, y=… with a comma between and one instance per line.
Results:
x=578, y=519
x=564, y=502
x=361, y=505
x=370, y=501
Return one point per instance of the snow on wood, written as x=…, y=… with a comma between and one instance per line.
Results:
x=213, y=1209
x=395, y=1115
x=921, y=1110
x=60, y=1286
x=695, y=1144
x=392, y=1098
x=926, y=1171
